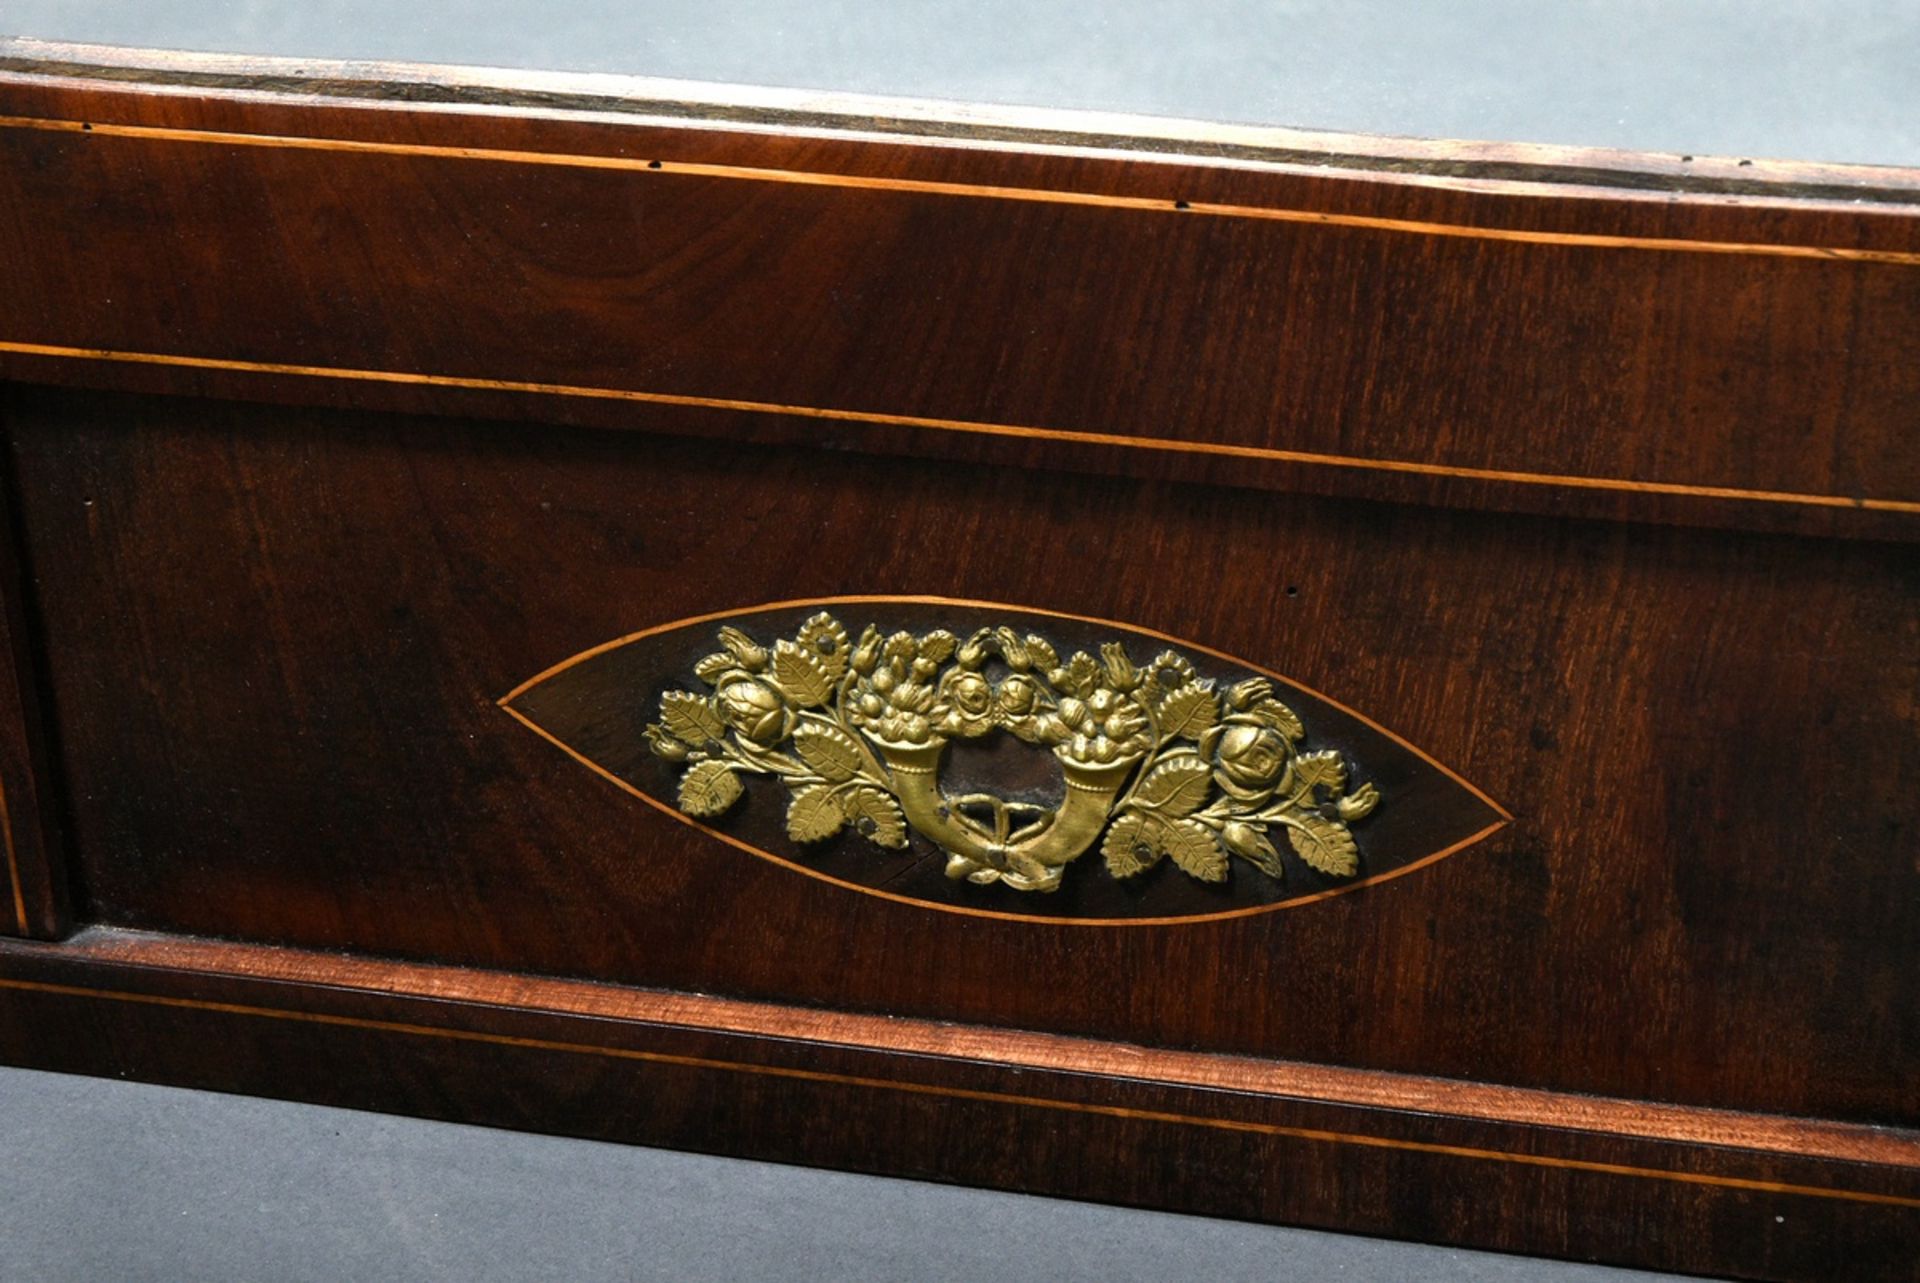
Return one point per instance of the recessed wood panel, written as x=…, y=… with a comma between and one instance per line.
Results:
x=277, y=640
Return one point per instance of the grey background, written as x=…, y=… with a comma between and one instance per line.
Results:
x=118, y=1181
x=1825, y=80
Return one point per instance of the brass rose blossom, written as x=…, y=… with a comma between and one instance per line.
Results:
x=1251, y=756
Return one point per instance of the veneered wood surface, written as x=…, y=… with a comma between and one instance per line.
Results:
x=277, y=639
x=1569, y=347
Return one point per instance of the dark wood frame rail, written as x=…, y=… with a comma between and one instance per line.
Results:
x=339, y=401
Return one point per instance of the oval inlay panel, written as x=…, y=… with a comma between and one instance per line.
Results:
x=1004, y=760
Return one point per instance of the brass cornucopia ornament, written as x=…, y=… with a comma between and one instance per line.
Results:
x=1156, y=758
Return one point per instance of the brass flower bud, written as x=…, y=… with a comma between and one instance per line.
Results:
x=665, y=744
x=867, y=653
x=754, y=710
x=1244, y=695
x=971, y=694
x=1014, y=650
x=752, y=657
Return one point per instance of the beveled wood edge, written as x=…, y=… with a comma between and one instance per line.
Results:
x=34, y=891
x=13, y=863
x=1466, y=163
x=1717, y=1129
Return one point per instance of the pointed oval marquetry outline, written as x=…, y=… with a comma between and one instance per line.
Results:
x=776, y=725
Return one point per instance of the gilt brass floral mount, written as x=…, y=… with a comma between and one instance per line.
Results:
x=1158, y=763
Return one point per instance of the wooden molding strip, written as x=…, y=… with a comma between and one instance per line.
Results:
x=1167, y=445
x=1440, y=1098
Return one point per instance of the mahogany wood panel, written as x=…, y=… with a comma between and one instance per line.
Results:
x=1594, y=347
x=277, y=639
x=1591, y=478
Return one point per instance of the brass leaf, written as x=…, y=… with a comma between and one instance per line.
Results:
x=1324, y=770
x=1178, y=786
x=691, y=718
x=830, y=752
x=877, y=817
x=708, y=788
x=1044, y=657
x=800, y=676
x=1193, y=848
x=1324, y=844
x=1280, y=717
x=824, y=638
x=1189, y=712
x=814, y=815
x=1127, y=850
x=709, y=669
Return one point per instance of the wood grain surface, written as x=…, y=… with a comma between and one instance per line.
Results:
x=1596, y=487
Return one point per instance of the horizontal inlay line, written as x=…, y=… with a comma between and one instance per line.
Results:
x=1037, y=195
x=1165, y=445
x=1121, y=1112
